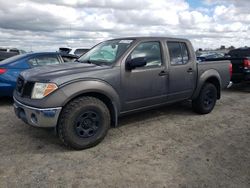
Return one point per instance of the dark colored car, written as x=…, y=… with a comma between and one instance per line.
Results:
x=240, y=60
x=73, y=51
x=116, y=77
x=6, y=53
x=11, y=67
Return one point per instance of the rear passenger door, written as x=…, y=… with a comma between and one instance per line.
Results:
x=181, y=71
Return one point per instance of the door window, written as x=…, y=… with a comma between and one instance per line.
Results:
x=185, y=56
x=178, y=53
x=151, y=51
x=44, y=60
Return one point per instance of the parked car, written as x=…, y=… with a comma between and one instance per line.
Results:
x=74, y=51
x=115, y=78
x=9, y=52
x=11, y=67
x=68, y=57
x=240, y=60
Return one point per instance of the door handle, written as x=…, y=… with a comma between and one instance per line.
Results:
x=190, y=70
x=163, y=73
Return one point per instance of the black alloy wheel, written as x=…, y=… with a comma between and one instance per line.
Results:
x=206, y=100
x=87, y=124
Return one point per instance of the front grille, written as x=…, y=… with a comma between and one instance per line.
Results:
x=28, y=87
x=19, y=85
x=24, y=89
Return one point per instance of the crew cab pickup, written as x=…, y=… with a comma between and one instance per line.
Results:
x=116, y=77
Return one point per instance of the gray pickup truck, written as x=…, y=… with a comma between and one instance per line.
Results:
x=116, y=77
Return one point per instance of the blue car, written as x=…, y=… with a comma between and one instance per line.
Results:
x=11, y=67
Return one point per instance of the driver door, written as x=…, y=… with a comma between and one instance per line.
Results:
x=145, y=86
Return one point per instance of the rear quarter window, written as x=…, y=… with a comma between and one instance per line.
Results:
x=44, y=60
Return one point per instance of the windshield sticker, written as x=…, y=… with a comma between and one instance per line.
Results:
x=126, y=41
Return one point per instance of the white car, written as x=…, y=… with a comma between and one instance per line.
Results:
x=74, y=51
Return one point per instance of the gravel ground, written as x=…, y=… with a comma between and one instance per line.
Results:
x=167, y=147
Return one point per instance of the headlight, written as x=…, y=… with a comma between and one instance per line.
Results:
x=41, y=90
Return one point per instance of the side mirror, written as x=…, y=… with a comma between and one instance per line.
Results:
x=136, y=62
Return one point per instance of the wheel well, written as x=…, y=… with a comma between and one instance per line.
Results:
x=216, y=83
x=106, y=100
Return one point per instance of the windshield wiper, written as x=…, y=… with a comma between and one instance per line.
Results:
x=88, y=61
x=97, y=63
x=100, y=63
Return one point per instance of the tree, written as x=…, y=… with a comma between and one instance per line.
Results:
x=231, y=48
x=222, y=47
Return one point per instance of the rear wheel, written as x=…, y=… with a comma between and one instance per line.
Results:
x=84, y=123
x=206, y=100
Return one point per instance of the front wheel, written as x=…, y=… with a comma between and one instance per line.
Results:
x=206, y=100
x=83, y=123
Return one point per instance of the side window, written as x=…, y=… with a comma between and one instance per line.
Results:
x=174, y=49
x=44, y=60
x=185, y=55
x=47, y=60
x=178, y=53
x=33, y=62
x=151, y=51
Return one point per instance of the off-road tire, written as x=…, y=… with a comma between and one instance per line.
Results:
x=206, y=100
x=67, y=131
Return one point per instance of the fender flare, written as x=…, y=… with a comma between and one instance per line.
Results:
x=93, y=88
x=211, y=76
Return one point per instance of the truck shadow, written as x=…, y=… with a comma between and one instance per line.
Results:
x=181, y=108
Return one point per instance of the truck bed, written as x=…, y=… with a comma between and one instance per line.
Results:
x=239, y=72
x=221, y=66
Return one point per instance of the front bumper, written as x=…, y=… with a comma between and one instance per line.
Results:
x=38, y=117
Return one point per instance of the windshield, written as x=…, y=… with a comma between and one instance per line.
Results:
x=106, y=52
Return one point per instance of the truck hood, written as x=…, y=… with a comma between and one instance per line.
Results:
x=53, y=72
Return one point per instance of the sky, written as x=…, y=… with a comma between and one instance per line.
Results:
x=46, y=25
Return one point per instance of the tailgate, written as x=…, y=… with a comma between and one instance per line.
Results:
x=238, y=66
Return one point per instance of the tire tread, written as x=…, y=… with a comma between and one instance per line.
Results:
x=68, y=109
x=197, y=103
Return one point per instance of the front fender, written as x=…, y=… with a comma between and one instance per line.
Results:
x=78, y=88
x=68, y=91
